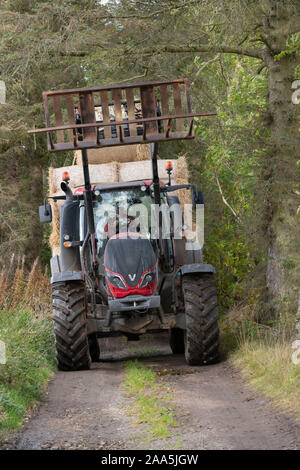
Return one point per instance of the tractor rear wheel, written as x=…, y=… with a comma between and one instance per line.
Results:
x=201, y=309
x=176, y=340
x=70, y=330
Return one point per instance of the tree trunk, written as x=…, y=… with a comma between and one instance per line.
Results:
x=282, y=174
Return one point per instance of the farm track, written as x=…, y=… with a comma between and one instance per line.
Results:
x=214, y=407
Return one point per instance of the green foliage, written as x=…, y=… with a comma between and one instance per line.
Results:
x=293, y=46
x=264, y=355
x=32, y=59
x=235, y=145
x=292, y=49
x=51, y=45
x=26, y=330
x=30, y=362
x=228, y=250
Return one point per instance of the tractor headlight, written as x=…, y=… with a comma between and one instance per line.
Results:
x=116, y=280
x=148, y=278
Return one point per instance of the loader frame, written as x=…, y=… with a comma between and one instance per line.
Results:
x=165, y=114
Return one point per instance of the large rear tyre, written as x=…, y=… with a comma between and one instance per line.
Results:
x=201, y=308
x=70, y=330
x=176, y=340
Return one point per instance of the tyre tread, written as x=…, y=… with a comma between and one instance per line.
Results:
x=70, y=329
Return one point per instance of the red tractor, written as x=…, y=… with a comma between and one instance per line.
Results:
x=112, y=277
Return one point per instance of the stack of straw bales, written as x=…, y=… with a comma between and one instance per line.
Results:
x=107, y=171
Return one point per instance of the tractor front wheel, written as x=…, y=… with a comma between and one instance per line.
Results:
x=201, y=309
x=70, y=330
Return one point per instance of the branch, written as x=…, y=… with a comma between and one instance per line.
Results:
x=266, y=42
x=73, y=53
x=260, y=69
x=150, y=15
x=222, y=48
x=203, y=65
x=243, y=40
x=224, y=199
x=206, y=48
x=224, y=77
x=127, y=80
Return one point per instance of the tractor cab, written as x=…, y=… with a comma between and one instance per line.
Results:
x=126, y=230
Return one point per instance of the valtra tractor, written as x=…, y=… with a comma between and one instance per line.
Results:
x=111, y=277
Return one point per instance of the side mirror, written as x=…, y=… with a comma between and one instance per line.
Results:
x=197, y=198
x=45, y=213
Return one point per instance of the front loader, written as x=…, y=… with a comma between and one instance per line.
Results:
x=117, y=274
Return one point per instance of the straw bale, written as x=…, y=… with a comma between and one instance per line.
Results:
x=142, y=170
x=98, y=173
x=126, y=153
x=182, y=177
x=143, y=152
x=54, y=237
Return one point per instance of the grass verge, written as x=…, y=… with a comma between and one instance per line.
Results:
x=263, y=353
x=29, y=364
x=269, y=368
x=152, y=403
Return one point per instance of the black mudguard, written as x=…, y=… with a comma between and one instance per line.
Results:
x=197, y=268
x=66, y=266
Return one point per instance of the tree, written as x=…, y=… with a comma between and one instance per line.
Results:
x=159, y=36
x=232, y=50
x=39, y=50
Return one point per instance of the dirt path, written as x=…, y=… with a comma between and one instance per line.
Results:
x=214, y=408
